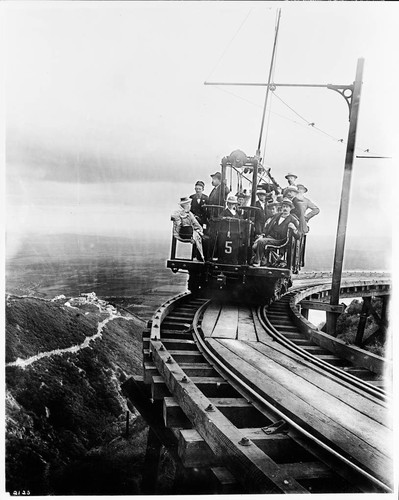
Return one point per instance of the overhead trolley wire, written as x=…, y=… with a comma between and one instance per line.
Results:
x=229, y=43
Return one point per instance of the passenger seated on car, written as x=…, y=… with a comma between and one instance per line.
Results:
x=241, y=202
x=271, y=209
x=186, y=228
x=275, y=232
x=231, y=207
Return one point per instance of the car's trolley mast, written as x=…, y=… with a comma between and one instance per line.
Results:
x=351, y=94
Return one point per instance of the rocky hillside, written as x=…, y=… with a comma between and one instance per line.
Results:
x=65, y=412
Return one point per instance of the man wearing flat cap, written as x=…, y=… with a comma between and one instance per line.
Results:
x=275, y=232
x=198, y=200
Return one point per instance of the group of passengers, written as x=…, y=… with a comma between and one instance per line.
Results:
x=279, y=210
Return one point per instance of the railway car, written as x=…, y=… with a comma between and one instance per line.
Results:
x=228, y=242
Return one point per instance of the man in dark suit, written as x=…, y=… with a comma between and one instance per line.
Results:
x=275, y=231
x=218, y=194
x=260, y=215
x=198, y=200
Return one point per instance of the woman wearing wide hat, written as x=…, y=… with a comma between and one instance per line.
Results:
x=186, y=228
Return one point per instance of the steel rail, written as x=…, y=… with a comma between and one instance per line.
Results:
x=351, y=379
x=215, y=361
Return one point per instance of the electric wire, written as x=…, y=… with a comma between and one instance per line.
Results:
x=305, y=123
x=229, y=43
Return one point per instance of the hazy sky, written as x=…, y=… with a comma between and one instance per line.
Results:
x=109, y=122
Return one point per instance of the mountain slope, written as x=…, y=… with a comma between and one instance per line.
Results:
x=65, y=362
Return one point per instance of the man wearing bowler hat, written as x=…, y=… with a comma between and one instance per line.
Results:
x=275, y=232
x=198, y=200
x=186, y=228
x=219, y=191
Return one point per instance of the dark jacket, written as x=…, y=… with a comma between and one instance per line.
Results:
x=216, y=195
x=260, y=217
x=279, y=231
x=197, y=207
x=226, y=213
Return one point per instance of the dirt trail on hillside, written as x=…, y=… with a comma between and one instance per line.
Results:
x=91, y=299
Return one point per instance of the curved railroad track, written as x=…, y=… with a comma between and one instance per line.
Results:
x=221, y=394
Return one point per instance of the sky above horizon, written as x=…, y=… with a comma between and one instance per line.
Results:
x=109, y=123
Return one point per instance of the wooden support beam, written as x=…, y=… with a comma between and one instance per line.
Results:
x=182, y=356
x=238, y=410
x=308, y=470
x=173, y=416
x=149, y=371
x=198, y=370
x=322, y=306
x=226, y=482
x=256, y=472
x=362, y=321
x=212, y=387
x=194, y=452
x=179, y=344
x=151, y=463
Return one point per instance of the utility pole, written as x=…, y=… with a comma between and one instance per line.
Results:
x=345, y=194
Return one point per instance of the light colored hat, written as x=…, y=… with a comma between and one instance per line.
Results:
x=231, y=199
x=302, y=186
x=291, y=175
x=286, y=201
x=261, y=191
x=273, y=204
x=290, y=188
x=184, y=200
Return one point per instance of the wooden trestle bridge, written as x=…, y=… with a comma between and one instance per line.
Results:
x=265, y=402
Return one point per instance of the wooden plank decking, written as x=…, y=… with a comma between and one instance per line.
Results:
x=358, y=425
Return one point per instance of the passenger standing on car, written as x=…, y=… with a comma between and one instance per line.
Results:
x=304, y=205
x=241, y=199
x=198, y=200
x=186, y=228
x=260, y=214
x=291, y=193
x=291, y=179
x=218, y=194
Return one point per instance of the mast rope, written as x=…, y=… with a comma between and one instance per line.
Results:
x=228, y=45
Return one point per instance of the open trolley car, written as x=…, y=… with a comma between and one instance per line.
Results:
x=228, y=242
